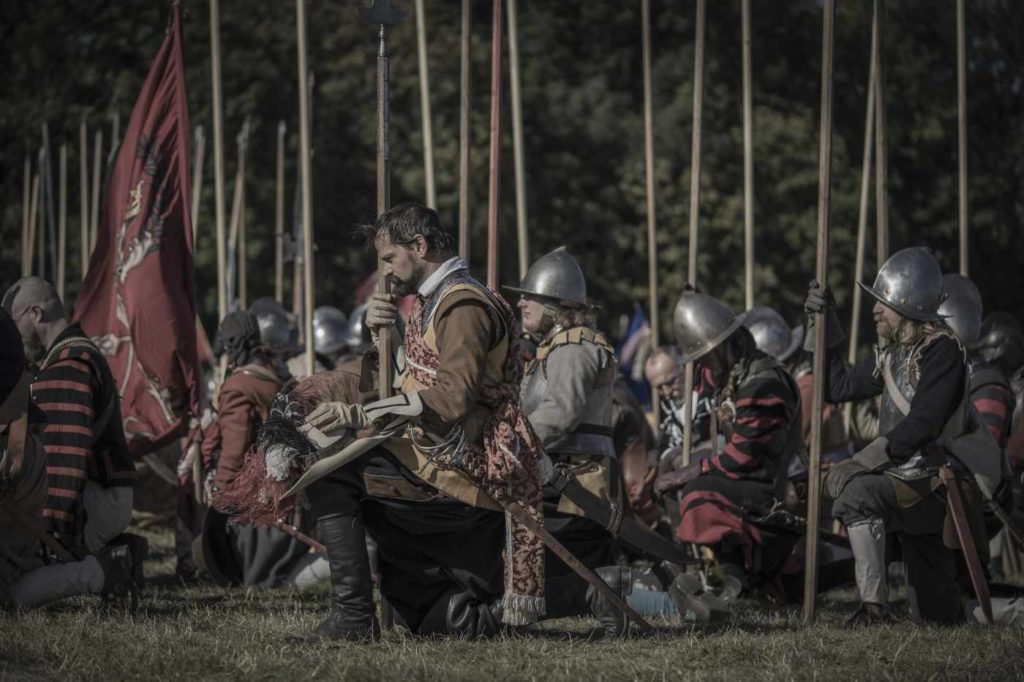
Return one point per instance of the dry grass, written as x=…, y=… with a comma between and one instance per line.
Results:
x=213, y=633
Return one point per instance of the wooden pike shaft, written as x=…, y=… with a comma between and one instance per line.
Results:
x=428, y=135
x=464, y=130
x=48, y=200
x=961, y=80
x=40, y=221
x=522, y=222
x=289, y=529
x=881, y=143
x=748, y=162
x=862, y=226
x=83, y=194
x=652, y=216
x=97, y=180
x=384, y=340
x=218, y=160
x=818, y=400
x=198, y=162
x=494, y=176
x=32, y=219
x=26, y=217
x=279, y=215
x=698, y=104
x=62, y=219
x=305, y=161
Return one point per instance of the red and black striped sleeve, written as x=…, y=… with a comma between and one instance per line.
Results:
x=765, y=410
x=994, y=403
x=64, y=391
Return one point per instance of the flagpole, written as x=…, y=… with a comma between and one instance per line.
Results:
x=26, y=216
x=198, y=162
x=97, y=176
x=862, y=224
x=494, y=175
x=652, y=217
x=961, y=80
x=305, y=161
x=818, y=401
x=748, y=162
x=62, y=219
x=881, y=143
x=218, y=160
x=464, y=129
x=517, y=139
x=428, y=137
x=698, y=104
x=83, y=193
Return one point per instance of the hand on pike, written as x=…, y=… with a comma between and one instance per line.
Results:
x=329, y=417
x=674, y=480
x=381, y=311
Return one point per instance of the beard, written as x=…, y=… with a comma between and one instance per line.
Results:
x=407, y=287
x=34, y=348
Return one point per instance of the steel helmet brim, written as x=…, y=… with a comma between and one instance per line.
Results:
x=713, y=343
x=902, y=310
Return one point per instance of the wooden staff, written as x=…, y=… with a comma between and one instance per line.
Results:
x=198, y=159
x=218, y=160
x=862, y=225
x=83, y=194
x=428, y=136
x=238, y=240
x=40, y=220
x=652, y=217
x=97, y=177
x=48, y=202
x=517, y=139
x=961, y=81
x=881, y=144
x=494, y=174
x=115, y=136
x=698, y=103
x=464, y=130
x=305, y=162
x=33, y=215
x=748, y=162
x=62, y=219
x=818, y=401
x=26, y=217
x=279, y=215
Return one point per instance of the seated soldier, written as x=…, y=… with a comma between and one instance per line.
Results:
x=891, y=486
x=89, y=470
x=722, y=497
x=242, y=553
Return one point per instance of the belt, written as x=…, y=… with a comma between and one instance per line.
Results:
x=594, y=430
x=625, y=528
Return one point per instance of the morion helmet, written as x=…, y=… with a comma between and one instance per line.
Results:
x=962, y=308
x=701, y=323
x=771, y=333
x=330, y=329
x=556, y=276
x=276, y=329
x=910, y=283
x=1001, y=342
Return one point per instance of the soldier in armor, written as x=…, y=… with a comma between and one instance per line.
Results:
x=330, y=333
x=567, y=396
x=756, y=402
x=891, y=485
x=280, y=333
x=429, y=495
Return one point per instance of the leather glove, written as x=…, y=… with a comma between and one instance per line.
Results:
x=546, y=469
x=874, y=455
x=330, y=417
x=818, y=299
x=840, y=474
x=381, y=311
x=674, y=480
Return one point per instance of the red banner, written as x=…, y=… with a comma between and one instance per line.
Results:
x=138, y=300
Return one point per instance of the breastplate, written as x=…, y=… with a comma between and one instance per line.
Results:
x=890, y=415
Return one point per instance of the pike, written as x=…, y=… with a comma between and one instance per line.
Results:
x=279, y=215
x=517, y=139
x=384, y=16
x=428, y=136
x=698, y=102
x=748, y=162
x=42, y=208
x=818, y=400
x=306, y=165
x=198, y=158
x=26, y=217
x=652, y=218
x=48, y=199
x=97, y=179
x=881, y=143
x=236, y=238
x=218, y=161
x=464, y=130
x=32, y=220
x=62, y=219
x=494, y=174
x=961, y=82
x=83, y=193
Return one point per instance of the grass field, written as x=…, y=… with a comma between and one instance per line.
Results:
x=213, y=633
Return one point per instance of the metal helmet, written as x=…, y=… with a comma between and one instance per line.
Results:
x=330, y=330
x=1001, y=342
x=910, y=283
x=770, y=331
x=962, y=308
x=357, y=334
x=557, y=276
x=701, y=323
x=276, y=329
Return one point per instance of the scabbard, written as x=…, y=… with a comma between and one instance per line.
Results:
x=625, y=527
x=967, y=544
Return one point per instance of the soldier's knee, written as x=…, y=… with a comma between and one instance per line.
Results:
x=856, y=501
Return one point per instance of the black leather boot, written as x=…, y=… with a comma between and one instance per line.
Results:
x=620, y=580
x=462, y=614
x=353, y=615
x=118, y=582
x=139, y=548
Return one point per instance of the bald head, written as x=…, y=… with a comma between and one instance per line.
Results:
x=665, y=373
x=37, y=311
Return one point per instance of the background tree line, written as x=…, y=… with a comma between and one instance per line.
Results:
x=582, y=99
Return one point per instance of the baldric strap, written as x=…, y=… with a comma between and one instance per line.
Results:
x=576, y=335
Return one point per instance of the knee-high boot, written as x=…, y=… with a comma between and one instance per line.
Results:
x=353, y=615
